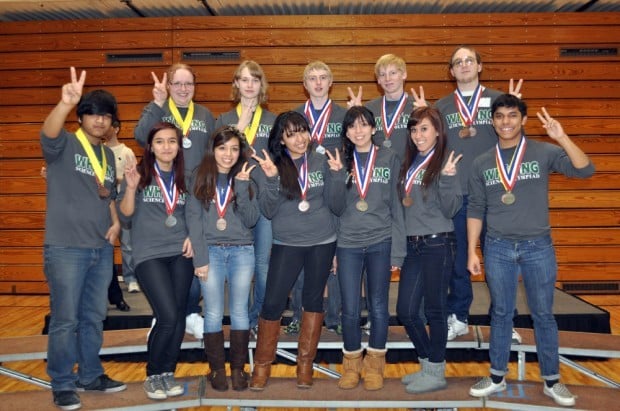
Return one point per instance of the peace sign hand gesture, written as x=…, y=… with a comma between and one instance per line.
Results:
x=132, y=177
x=354, y=100
x=266, y=164
x=418, y=99
x=515, y=91
x=553, y=127
x=244, y=173
x=72, y=92
x=449, y=169
x=160, y=93
x=334, y=162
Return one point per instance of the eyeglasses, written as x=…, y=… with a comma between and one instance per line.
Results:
x=467, y=62
x=180, y=85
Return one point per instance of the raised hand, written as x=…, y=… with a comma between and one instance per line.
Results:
x=334, y=162
x=354, y=100
x=418, y=99
x=244, y=173
x=553, y=127
x=132, y=177
x=72, y=92
x=449, y=169
x=266, y=164
x=160, y=92
x=515, y=91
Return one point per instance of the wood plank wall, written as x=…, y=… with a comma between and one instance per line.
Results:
x=582, y=91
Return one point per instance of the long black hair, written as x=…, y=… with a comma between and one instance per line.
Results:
x=353, y=114
x=288, y=123
x=147, y=165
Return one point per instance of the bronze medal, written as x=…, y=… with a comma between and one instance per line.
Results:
x=220, y=224
x=464, y=132
x=508, y=198
x=362, y=206
x=102, y=191
x=407, y=201
x=170, y=221
x=472, y=131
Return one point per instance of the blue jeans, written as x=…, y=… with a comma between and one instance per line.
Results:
x=128, y=274
x=460, y=294
x=424, y=277
x=235, y=265
x=535, y=260
x=351, y=263
x=78, y=280
x=263, y=237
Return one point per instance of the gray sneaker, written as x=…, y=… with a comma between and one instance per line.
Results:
x=560, y=394
x=172, y=386
x=67, y=400
x=154, y=387
x=486, y=387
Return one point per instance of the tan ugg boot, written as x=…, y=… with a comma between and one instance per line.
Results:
x=374, y=364
x=351, y=369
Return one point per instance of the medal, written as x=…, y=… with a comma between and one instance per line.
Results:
x=363, y=176
x=187, y=143
x=472, y=131
x=302, y=180
x=222, y=198
x=387, y=143
x=508, y=174
x=170, y=221
x=220, y=224
x=170, y=194
x=99, y=169
x=303, y=206
x=183, y=123
x=464, y=132
x=251, y=129
x=390, y=126
x=407, y=201
x=318, y=126
x=508, y=198
x=413, y=173
x=320, y=149
x=362, y=206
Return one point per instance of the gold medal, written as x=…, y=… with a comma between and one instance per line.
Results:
x=361, y=205
x=464, y=133
x=220, y=224
x=407, y=201
x=508, y=198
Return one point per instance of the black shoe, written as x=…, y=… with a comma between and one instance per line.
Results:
x=123, y=306
x=67, y=400
x=102, y=383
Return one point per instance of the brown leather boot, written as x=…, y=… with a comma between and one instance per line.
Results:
x=351, y=369
x=268, y=333
x=311, y=326
x=216, y=357
x=374, y=364
x=239, y=340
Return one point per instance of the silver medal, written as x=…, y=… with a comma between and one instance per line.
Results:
x=320, y=149
x=387, y=143
x=303, y=206
x=171, y=221
x=220, y=224
x=187, y=143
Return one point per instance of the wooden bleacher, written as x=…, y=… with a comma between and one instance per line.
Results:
x=582, y=91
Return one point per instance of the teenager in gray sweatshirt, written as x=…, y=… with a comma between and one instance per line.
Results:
x=298, y=196
x=431, y=195
x=371, y=236
x=153, y=198
x=221, y=213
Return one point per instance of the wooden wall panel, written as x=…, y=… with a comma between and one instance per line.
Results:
x=582, y=91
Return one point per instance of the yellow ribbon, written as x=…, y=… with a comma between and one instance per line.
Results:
x=252, y=128
x=98, y=168
x=183, y=122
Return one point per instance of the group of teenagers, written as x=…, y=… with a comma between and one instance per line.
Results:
x=256, y=199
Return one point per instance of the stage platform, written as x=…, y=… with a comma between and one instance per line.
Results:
x=572, y=313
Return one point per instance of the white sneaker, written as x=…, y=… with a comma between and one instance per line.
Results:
x=486, y=387
x=133, y=287
x=150, y=329
x=456, y=327
x=194, y=324
x=516, y=337
x=560, y=394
